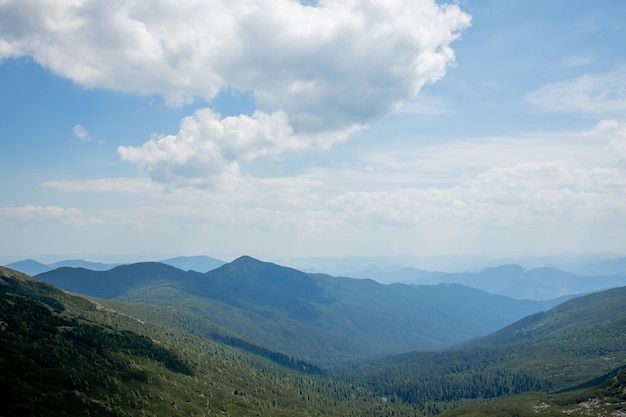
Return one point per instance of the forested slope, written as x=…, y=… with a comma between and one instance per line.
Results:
x=320, y=319
x=567, y=346
x=65, y=355
x=62, y=354
x=608, y=398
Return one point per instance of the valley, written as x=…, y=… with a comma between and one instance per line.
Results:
x=255, y=338
x=314, y=317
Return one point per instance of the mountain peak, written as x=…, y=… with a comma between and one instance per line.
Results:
x=251, y=267
x=247, y=259
x=248, y=264
x=268, y=284
x=29, y=267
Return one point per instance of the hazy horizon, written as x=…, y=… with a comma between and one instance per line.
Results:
x=337, y=266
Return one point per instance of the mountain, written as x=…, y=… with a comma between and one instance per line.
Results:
x=510, y=280
x=608, y=267
x=567, y=347
x=79, y=263
x=29, y=267
x=397, y=274
x=186, y=263
x=32, y=267
x=64, y=355
x=115, y=282
x=194, y=263
x=313, y=317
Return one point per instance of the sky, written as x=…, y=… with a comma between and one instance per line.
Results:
x=290, y=129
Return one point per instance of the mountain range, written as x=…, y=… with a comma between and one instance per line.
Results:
x=533, y=281
x=314, y=317
x=511, y=280
x=65, y=354
x=186, y=263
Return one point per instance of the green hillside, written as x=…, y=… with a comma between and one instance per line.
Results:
x=608, y=398
x=567, y=346
x=63, y=355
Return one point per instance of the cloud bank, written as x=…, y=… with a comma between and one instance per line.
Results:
x=317, y=72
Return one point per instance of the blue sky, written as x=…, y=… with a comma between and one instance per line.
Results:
x=285, y=129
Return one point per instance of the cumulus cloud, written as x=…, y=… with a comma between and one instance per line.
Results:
x=208, y=148
x=595, y=94
x=364, y=55
x=317, y=70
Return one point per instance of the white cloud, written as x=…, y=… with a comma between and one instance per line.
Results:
x=208, y=148
x=543, y=177
x=81, y=133
x=521, y=192
x=30, y=213
x=524, y=193
x=360, y=57
x=138, y=186
x=618, y=141
x=318, y=71
x=613, y=132
x=596, y=94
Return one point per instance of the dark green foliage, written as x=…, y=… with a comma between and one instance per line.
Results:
x=51, y=358
x=605, y=399
x=196, y=325
x=62, y=355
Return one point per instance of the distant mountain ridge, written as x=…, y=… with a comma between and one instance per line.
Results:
x=314, y=317
x=29, y=267
x=510, y=280
x=186, y=263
